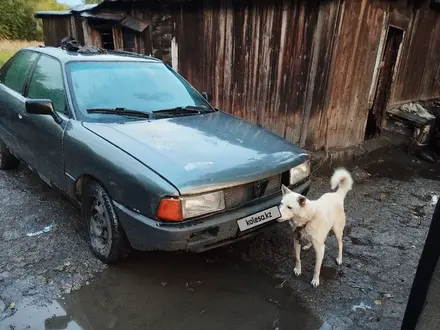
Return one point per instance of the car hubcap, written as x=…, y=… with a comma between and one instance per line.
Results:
x=100, y=227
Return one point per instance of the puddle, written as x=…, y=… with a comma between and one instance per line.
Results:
x=330, y=273
x=432, y=173
x=397, y=165
x=391, y=170
x=51, y=316
x=174, y=291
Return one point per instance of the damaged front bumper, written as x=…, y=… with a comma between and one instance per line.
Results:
x=146, y=234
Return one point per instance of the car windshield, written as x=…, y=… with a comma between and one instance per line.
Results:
x=139, y=86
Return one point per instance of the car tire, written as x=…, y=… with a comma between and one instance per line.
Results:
x=105, y=235
x=7, y=160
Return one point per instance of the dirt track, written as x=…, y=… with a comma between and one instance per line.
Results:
x=388, y=213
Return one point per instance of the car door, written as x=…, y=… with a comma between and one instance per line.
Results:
x=41, y=132
x=13, y=76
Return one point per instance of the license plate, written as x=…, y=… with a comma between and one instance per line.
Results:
x=259, y=218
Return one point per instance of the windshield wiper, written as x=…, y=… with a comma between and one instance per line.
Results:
x=190, y=109
x=120, y=111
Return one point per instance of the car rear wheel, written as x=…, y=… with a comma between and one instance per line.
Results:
x=7, y=160
x=104, y=232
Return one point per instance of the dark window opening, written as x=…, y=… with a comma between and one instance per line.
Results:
x=107, y=39
x=129, y=40
x=384, y=83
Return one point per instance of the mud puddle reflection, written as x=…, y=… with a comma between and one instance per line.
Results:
x=172, y=291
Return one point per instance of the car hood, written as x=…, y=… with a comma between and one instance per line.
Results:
x=203, y=152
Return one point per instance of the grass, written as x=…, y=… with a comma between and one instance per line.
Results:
x=10, y=47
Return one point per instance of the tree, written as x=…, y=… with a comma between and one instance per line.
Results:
x=91, y=1
x=50, y=5
x=17, y=18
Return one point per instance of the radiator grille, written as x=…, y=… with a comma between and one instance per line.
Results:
x=236, y=196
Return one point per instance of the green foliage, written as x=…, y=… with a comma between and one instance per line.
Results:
x=91, y=1
x=4, y=56
x=17, y=18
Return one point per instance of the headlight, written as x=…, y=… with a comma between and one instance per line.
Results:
x=178, y=209
x=299, y=172
x=202, y=204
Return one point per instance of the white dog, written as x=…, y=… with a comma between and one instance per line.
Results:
x=313, y=220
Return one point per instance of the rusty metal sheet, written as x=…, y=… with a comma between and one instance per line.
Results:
x=133, y=23
x=120, y=17
x=399, y=19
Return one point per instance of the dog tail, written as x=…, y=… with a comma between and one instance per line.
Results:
x=342, y=180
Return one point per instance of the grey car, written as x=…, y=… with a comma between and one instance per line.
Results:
x=151, y=164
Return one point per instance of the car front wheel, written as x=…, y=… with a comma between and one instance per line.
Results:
x=7, y=160
x=104, y=232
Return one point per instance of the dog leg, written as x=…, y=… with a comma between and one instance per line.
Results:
x=319, y=250
x=338, y=234
x=297, y=269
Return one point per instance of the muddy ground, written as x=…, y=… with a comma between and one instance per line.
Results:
x=52, y=281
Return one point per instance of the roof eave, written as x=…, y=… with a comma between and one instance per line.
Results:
x=41, y=14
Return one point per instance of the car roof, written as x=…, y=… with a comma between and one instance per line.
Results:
x=110, y=56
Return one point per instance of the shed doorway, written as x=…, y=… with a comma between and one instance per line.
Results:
x=105, y=33
x=384, y=83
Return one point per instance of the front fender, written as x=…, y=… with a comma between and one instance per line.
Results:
x=128, y=181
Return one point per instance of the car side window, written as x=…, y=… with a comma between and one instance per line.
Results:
x=47, y=83
x=17, y=72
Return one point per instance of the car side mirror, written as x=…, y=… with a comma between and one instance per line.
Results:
x=205, y=96
x=42, y=107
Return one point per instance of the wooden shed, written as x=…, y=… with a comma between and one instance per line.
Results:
x=320, y=73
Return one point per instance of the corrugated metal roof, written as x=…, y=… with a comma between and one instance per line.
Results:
x=74, y=9
x=81, y=8
x=88, y=12
x=89, y=7
x=40, y=14
x=112, y=16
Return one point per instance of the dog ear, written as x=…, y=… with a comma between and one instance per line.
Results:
x=285, y=190
x=301, y=201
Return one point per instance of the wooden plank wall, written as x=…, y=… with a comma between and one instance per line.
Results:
x=418, y=74
x=253, y=58
x=56, y=28
x=343, y=115
x=262, y=61
x=304, y=69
